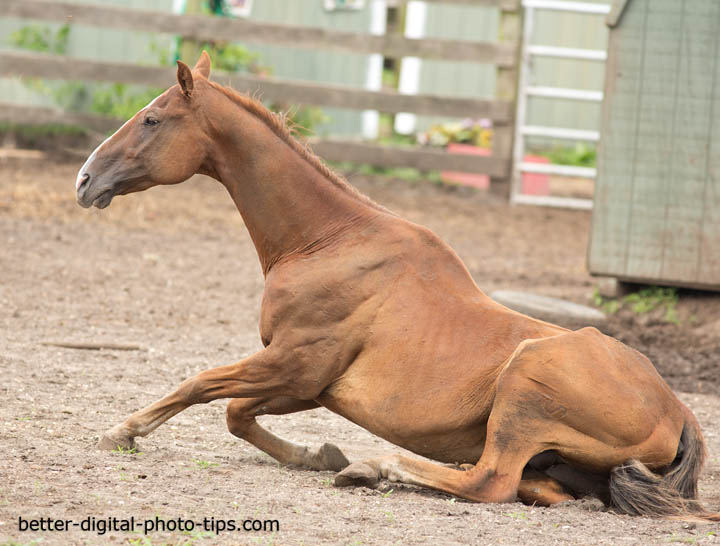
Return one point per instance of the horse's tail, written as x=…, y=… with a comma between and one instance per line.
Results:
x=636, y=490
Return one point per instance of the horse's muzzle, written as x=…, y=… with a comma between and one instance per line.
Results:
x=87, y=195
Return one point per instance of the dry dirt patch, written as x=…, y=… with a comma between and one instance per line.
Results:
x=174, y=271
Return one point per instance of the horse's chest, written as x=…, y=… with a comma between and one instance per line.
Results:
x=312, y=309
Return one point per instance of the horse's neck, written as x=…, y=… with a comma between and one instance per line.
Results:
x=287, y=205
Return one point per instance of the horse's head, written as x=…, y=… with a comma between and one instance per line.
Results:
x=164, y=143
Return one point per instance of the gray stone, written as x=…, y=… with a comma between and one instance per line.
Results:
x=561, y=312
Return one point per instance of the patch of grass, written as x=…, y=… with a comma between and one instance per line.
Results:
x=608, y=305
x=654, y=297
x=643, y=301
x=387, y=494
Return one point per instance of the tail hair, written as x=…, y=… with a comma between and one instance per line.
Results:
x=638, y=491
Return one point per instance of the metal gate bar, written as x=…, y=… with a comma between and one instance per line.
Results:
x=522, y=130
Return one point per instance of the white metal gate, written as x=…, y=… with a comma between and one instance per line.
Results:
x=525, y=90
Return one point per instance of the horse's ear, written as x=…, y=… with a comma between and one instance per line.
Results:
x=203, y=65
x=185, y=79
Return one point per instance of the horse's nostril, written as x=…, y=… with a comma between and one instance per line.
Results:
x=82, y=180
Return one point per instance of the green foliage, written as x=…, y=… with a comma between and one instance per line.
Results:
x=304, y=119
x=643, y=301
x=655, y=297
x=32, y=132
x=42, y=38
x=234, y=58
x=580, y=155
x=609, y=305
x=122, y=101
x=118, y=100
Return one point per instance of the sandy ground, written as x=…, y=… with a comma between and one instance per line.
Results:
x=174, y=272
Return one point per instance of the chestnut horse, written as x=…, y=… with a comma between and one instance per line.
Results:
x=378, y=320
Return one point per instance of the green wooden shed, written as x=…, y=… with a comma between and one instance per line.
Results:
x=656, y=216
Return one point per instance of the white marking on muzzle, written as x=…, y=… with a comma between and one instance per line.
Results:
x=88, y=162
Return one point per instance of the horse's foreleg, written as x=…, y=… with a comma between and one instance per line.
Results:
x=263, y=374
x=241, y=414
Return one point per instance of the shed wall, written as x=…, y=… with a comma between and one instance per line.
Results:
x=657, y=200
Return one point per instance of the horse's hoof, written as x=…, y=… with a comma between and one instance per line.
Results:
x=112, y=443
x=358, y=475
x=331, y=458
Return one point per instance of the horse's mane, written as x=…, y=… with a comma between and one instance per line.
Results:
x=280, y=124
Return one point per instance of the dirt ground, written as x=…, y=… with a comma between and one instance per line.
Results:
x=173, y=271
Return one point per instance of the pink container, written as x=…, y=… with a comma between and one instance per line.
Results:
x=481, y=181
x=535, y=183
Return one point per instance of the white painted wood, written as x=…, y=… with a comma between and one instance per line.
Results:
x=575, y=7
x=564, y=93
x=409, y=80
x=568, y=52
x=552, y=201
x=561, y=170
x=560, y=132
x=521, y=110
x=373, y=77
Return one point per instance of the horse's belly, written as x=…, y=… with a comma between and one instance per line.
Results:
x=424, y=421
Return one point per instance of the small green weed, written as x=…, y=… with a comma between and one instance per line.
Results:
x=204, y=464
x=521, y=516
x=120, y=450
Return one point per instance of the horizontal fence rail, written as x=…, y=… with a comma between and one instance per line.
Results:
x=204, y=27
x=504, y=5
x=200, y=27
x=426, y=159
x=423, y=159
x=34, y=115
x=39, y=65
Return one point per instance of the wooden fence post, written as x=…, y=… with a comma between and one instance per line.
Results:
x=510, y=29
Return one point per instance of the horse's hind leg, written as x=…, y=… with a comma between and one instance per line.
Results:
x=518, y=428
x=538, y=488
x=241, y=414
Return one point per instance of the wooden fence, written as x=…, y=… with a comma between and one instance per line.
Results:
x=199, y=27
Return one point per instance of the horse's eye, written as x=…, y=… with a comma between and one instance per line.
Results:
x=151, y=121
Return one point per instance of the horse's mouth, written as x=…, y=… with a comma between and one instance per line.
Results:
x=101, y=201
x=104, y=199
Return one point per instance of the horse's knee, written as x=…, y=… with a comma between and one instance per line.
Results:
x=239, y=416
